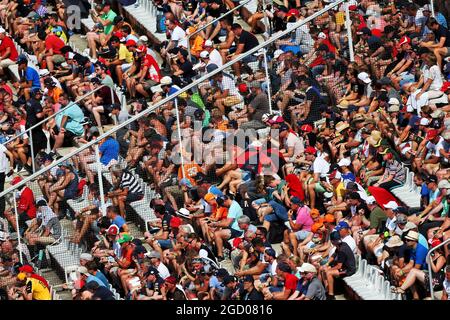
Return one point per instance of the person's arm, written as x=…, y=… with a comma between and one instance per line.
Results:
x=228, y=42
x=431, y=45
x=225, y=223
x=282, y=295
x=256, y=270
x=397, y=67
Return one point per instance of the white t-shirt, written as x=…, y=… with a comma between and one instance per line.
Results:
x=179, y=35
x=433, y=149
x=4, y=162
x=228, y=83
x=163, y=271
x=273, y=268
x=351, y=242
x=320, y=165
x=434, y=73
x=294, y=141
x=215, y=58
x=391, y=224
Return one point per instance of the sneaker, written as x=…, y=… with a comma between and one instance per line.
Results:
x=331, y=297
x=220, y=259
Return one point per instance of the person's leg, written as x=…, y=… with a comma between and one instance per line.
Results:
x=413, y=275
x=59, y=141
x=96, y=112
x=92, y=39
x=294, y=242
x=331, y=274
x=122, y=205
x=219, y=236
x=312, y=194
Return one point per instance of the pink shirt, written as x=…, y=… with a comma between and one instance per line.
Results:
x=304, y=218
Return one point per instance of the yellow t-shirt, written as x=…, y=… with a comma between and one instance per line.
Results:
x=340, y=18
x=340, y=190
x=38, y=289
x=124, y=54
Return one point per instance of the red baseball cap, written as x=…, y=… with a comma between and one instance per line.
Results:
x=171, y=280
x=130, y=43
x=352, y=7
x=113, y=230
x=404, y=40
x=243, y=88
x=141, y=49
x=434, y=242
x=431, y=134
x=311, y=150
x=16, y=180
x=175, y=222
x=26, y=268
x=306, y=128
x=293, y=12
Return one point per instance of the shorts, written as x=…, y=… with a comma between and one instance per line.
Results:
x=319, y=188
x=231, y=101
x=250, y=58
x=68, y=137
x=259, y=201
x=165, y=244
x=235, y=233
x=302, y=234
x=6, y=63
x=406, y=78
x=126, y=66
x=69, y=194
x=131, y=197
x=57, y=58
x=148, y=84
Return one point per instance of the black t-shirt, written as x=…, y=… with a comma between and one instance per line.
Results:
x=186, y=66
x=345, y=256
x=103, y=293
x=215, y=13
x=442, y=32
x=249, y=40
x=176, y=295
x=314, y=113
x=32, y=107
x=166, y=222
x=253, y=295
x=156, y=286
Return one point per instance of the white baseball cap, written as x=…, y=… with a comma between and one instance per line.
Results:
x=345, y=162
x=424, y=121
x=143, y=39
x=371, y=200
x=393, y=101
x=204, y=54
x=166, y=81
x=277, y=53
x=322, y=35
x=364, y=77
x=208, y=43
x=2, y=30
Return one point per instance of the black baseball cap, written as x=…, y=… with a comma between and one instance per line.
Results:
x=229, y=279
x=221, y=273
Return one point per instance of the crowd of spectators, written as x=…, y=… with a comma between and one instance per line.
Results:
x=326, y=142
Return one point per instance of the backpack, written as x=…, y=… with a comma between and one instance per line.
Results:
x=276, y=232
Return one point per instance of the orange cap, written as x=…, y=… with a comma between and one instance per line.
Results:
x=316, y=226
x=329, y=218
x=209, y=197
x=314, y=213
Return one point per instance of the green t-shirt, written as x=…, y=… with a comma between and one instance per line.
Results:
x=108, y=81
x=377, y=219
x=108, y=16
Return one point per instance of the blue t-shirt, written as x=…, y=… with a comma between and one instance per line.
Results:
x=95, y=279
x=102, y=278
x=109, y=150
x=419, y=255
x=119, y=221
x=75, y=119
x=235, y=212
x=414, y=122
x=424, y=192
x=33, y=76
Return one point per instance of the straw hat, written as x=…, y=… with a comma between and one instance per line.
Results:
x=343, y=105
x=394, y=241
x=375, y=138
x=340, y=126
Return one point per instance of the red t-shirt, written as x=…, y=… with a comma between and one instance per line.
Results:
x=154, y=72
x=55, y=43
x=8, y=89
x=26, y=203
x=8, y=43
x=290, y=282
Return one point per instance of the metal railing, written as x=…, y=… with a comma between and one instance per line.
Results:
x=51, y=117
x=210, y=23
x=430, y=271
x=174, y=95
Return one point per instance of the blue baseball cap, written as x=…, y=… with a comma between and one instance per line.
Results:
x=342, y=225
x=186, y=182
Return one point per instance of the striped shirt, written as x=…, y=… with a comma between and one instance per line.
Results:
x=130, y=182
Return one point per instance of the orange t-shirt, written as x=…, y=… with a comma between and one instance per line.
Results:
x=190, y=170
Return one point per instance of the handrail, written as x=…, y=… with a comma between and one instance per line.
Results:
x=430, y=271
x=172, y=96
x=210, y=23
x=58, y=112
